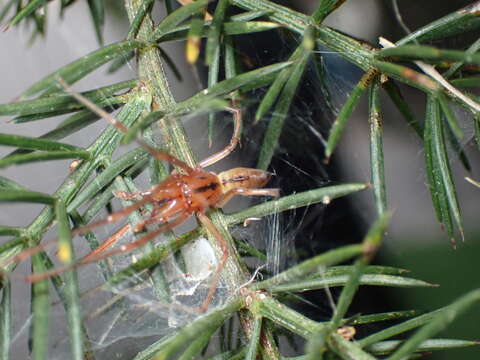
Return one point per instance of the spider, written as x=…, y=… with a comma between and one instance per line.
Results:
x=185, y=192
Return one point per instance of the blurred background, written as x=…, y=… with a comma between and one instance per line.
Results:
x=415, y=240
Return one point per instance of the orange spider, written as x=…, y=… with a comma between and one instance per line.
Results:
x=174, y=200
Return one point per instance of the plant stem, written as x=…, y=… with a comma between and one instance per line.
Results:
x=151, y=73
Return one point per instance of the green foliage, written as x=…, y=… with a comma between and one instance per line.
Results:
x=148, y=102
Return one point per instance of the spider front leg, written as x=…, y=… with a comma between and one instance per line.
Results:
x=224, y=248
x=131, y=196
x=110, y=219
x=123, y=249
x=120, y=127
x=234, y=141
x=112, y=240
x=246, y=192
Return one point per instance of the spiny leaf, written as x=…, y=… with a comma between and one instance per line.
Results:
x=371, y=243
x=377, y=166
x=10, y=184
x=97, y=11
x=275, y=125
x=459, y=21
x=371, y=269
x=249, y=27
x=29, y=9
x=326, y=281
x=472, y=49
x=72, y=292
x=424, y=53
x=177, y=17
x=325, y=8
x=73, y=124
x=349, y=349
x=375, y=234
x=400, y=328
x=10, y=195
x=307, y=267
x=187, y=334
x=226, y=86
x=450, y=116
x=169, y=6
x=10, y=230
x=250, y=15
x=104, y=178
x=277, y=85
x=408, y=76
x=198, y=345
x=212, y=56
x=316, y=344
x=395, y=95
x=40, y=312
x=387, y=347
x=254, y=339
x=213, y=42
x=442, y=162
x=143, y=10
x=170, y=63
x=457, y=147
x=324, y=195
x=394, y=315
x=142, y=124
x=82, y=67
x=434, y=182
x=92, y=241
x=453, y=132
x=470, y=81
x=110, y=103
x=476, y=124
x=209, y=105
x=62, y=102
x=285, y=316
x=229, y=28
x=43, y=156
x=5, y=9
x=438, y=323
x=341, y=121
x=5, y=321
x=117, y=63
x=26, y=142
x=67, y=127
x=213, y=73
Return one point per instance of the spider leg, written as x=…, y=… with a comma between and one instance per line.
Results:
x=224, y=247
x=122, y=128
x=120, y=250
x=131, y=196
x=114, y=217
x=160, y=214
x=109, y=242
x=237, y=119
x=245, y=192
x=141, y=241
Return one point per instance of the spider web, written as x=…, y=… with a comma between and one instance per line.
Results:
x=122, y=321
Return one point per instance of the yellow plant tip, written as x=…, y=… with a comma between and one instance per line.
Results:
x=64, y=253
x=193, y=49
x=309, y=44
